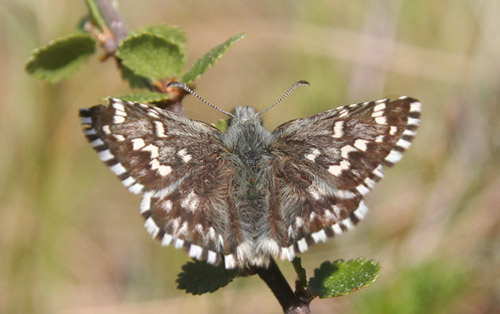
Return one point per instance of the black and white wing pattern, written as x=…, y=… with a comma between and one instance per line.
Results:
x=176, y=164
x=326, y=163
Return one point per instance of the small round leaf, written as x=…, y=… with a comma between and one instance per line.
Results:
x=61, y=57
x=200, y=277
x=151, y=56
x=342, y=278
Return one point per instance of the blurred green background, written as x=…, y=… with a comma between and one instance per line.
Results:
x=71, y=237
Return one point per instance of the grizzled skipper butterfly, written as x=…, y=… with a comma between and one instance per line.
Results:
x=246, y=195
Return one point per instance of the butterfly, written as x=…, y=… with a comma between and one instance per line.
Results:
x=246, y=195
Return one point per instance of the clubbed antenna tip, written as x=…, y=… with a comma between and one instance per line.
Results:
x=291, y=89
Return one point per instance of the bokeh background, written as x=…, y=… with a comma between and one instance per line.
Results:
x=71, y=237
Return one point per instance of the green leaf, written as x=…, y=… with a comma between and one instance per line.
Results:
x=200, y=277
x=95, y=14
x=143, y=97
x=221, y=125
x=171, y=33
x=151, y=56
x=210, y=58
x=134, y=80
x=342, y=278
x=61, y=57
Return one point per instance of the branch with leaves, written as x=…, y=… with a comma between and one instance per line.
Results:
x=149, y=59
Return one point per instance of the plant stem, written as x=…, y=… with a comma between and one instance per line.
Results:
x=275, y=280
x=115, y=23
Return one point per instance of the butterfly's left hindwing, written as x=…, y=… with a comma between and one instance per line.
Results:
x=176, y=164
x=326, y=163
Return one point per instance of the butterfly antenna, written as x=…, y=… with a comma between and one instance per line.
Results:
x=291, y=89
x=189, y=90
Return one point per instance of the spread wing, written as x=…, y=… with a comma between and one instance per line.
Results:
x=326, y=163
x=176, y=164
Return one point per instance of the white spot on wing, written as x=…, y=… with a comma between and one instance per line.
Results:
x=90, y=132
x=345, y=150
x=336, y=229
x=415, y=107
x=184, y=155
x=229, y=261
x=413, y=121
x=378, y=172
x=191, y=201
x=119, y=137
x=319, y=236
x=344, y=194
x=393, y=130
x=302, y=244
x=312, y=156
x=338, y=129
x=136, y=188
x=152, y=149
x=344, y=113
x=137, y=143
x=97, y=143
x=299, y=222
x=361, y=144
x=362, y=189
x=381, y=120
x=166, y=205
x=195, y=251
x=403, y=143
x=128, y=181
x=379, y=107
x=86, y=120
x=212, y=257
x=183, y=229
x=243, y=250
x=270, y=246
x=287, y=253
x=409, y=132
x=105, y=155
x=118, y=106
x=160, y=130
x=167, y=239
x=394, y=156
x=106, y=129
x=361, y=211
x=316, y=191
x=162, y=169
x=348, y=223
x=369, y=183
x=336, y=170
x=118, y=119
x=151, y=227
x=118, y=169
x=179, y=243
x=146, y=203
x=377, y=114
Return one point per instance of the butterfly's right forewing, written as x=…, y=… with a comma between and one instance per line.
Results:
x=326, y=163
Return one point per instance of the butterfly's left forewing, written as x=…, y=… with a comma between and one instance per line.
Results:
x=326, y=163
x=176, y=164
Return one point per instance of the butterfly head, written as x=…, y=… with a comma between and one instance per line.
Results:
x=244, y=115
